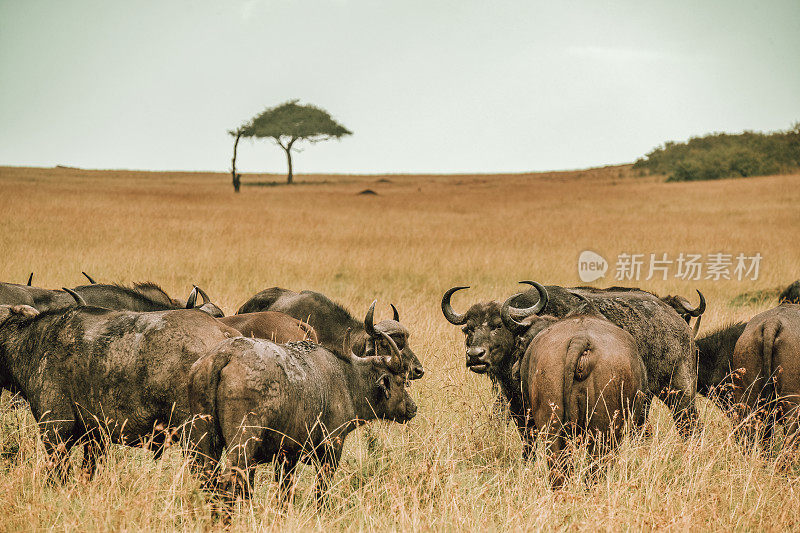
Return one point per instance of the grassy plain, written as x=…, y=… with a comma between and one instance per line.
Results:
x=454, y=467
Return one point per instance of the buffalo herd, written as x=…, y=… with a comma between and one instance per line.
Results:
x=292, y=373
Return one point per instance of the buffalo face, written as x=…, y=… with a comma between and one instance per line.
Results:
x=376, y=344
x=487, y=341
x=393, y=399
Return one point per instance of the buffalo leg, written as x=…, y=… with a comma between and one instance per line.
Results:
x=327, y=467
x=202, y=451
x=93, y=451
x=240, y=472
x=527, y=431
x=684, y=410
x=58, y=439
x=285, y=472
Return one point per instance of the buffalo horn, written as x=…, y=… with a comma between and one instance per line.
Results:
x=509, y=321
x=78, y=298
x=347, y=350
x=447, y=309
x=394, y=362
x=699, y=310
x=369, y=322
x=535, y=309
x=203, y=295
x=192, y=300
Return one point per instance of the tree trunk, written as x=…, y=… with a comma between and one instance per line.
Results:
x=289, y=176
x=288, y=150
x=236, y=177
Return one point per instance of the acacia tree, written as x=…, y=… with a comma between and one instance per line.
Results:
x=237, y=134
x=285, y=125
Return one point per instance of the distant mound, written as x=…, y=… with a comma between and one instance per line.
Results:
x=383, y=180
x=368, y=191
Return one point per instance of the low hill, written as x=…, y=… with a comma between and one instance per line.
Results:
x=725, y=155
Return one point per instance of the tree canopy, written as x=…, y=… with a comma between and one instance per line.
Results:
x=286, y=124
x=724, y=155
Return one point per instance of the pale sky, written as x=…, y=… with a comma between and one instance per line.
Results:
x=425, y=86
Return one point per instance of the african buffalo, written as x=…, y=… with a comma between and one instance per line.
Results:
x=580, y=375
x=93, y=375
x=715, y=357
x=767, y=376
x=330, y=320
x=145, y=296
x=142, y=297
x=664, y=339
x=271, y=325
x=685, y=309
x=41, y=299
x=262, y=401
x=791, y=293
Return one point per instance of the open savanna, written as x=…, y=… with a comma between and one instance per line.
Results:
x=455, y=466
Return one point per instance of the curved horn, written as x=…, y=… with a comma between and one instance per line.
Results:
x=30, y=279
x=369, y=322
x=78, y=298
x=509, y=321
x=192, y=300
x=395, y=314
x=347, y=350
x=700, y=309
x=696, y=327
x=89, y=278
x=538, y=307
x=447, y=309
x=394, y=362
x=203, y=295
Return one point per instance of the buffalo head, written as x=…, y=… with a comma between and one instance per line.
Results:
x=207, y=307
x=374, y=342
x=489, y=342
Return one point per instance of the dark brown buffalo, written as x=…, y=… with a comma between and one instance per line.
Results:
x=580, y=376
x=331, y=321
x=664, y=339
x=791, y=293
x=143, y=296
x=95, y=376
x=273, y=326
x=261, y=401
x=715, y=359
x=685, y=309
x=41, y=299
x=766, y=375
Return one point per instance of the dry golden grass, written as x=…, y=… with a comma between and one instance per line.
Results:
x=453, y=467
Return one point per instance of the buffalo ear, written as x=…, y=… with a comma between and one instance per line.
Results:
x=384, y=382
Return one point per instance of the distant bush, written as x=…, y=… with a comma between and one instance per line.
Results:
x=722, y=155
